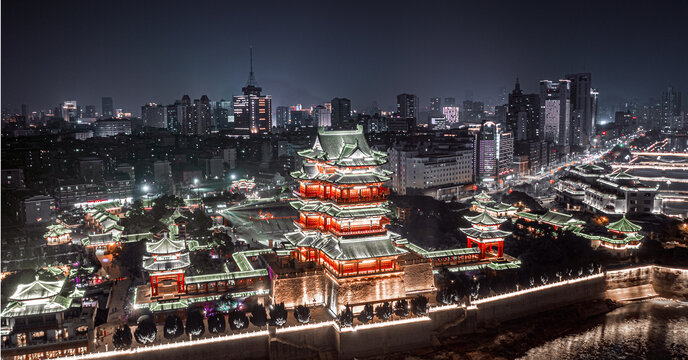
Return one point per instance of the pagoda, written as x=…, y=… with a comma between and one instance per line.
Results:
x=483, y=202
x=484, y=232
x=166, y=261
x=624, y=235
x=343, y=216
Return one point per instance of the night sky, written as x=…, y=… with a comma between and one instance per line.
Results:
x=311, y=52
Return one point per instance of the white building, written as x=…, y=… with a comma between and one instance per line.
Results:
x=38, y=209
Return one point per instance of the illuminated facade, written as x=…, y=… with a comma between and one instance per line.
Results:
x=252, y=111
x=165, y=261
x=484, y=203
x=485, y=234
x=342, y=219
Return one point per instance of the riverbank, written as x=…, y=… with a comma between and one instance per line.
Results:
x=511, y=339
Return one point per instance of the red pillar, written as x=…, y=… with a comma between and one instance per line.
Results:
x=501, y=248
x=154, y=285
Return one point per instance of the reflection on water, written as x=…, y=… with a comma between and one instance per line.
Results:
x=654, y=329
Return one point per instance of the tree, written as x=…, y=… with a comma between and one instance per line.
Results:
x=278, y=315
x=162, y=203
x=225, y=303
x=367, y=314
x=121, y=339
x=401, y=308
x=384, y=311
x=346, y=318
x=129, y=256
x=259, y=316
x=445, y=296
x=302, y=314
x=194, y=323
x=174, y=327
x=238, y=320
x=419, y=305
x=146, y=331
x=217, y=324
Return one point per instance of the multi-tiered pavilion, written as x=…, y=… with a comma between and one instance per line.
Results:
x=485, y=234
x=342, y=224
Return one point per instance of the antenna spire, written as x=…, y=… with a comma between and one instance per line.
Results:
x=251, y=78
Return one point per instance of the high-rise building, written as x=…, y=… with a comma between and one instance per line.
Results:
x=69, y=111
x=282, y=116
x=252, y=111
x=583, y=109
x=108, y=108
x=154, y=115
x=322, y=116
x=523, y=114
x=203, y=115
x=407, y=109
x=449, y=101
x=671, y=108
x=89, y=111
x=493, y=153
x=451, y=114
x=222, y=115
x=435, y=106
x=188, y=116
x=555, y=113
x=173, y=117
x=473, y=112
x=341, y=113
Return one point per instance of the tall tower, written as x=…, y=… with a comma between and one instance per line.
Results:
x=555, y=113
x=252, y=111
x=342, y=216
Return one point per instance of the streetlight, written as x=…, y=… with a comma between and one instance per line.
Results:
x=233, y=177
x=145, y=188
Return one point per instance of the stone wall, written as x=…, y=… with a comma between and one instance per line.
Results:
x=299, y=290
x=419, y=277
x=670, y=283
x=361, y=289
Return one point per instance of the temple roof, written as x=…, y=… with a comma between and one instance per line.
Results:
x=339, y=212
x=38, y=289
x=624, y=225
x=344, y=148
x=483, y=196
x=162, y=264
x=339, y=178
x=166, y=245
x=360, y=248
x=478, y=234
x=559, y=219
x=56, y=231
x=484, y=219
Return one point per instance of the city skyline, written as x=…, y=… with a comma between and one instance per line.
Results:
x=150, y=65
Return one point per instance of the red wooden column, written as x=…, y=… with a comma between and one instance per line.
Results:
x=154, y=285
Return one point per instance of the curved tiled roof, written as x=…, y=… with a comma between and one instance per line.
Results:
x=38, y=289
x=484, y=219
x=166, y=245
x=624, y=225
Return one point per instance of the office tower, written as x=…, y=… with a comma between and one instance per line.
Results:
x=322, y=116
x=523, y=114
x=493, y=152
x=555, y=112
x=24, y=116
x=173, y=123
x=203, y=115
x=500, y=115
x=435, y=106
x=626, y=122
x=282, y=116
x=188, y=116
x=89, y=111
x=108, y=109
x=154, y=115
x=583, y=109
x=654, y=114
x=69, y=111
x=407, y=109
x=341, y=113
x=451, y=114
x=671, y=108
x=222, y=115
x=300, y=117
x=473, y=112
x=252, y=111
x=449, y=101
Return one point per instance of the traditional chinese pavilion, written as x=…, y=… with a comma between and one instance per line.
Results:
x=483, y=202
x=166, y=261
x=342, y=217
x=624, y=235
x=484, y=232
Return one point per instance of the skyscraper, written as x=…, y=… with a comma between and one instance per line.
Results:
x=322, y=116
x=204, y=115
x=223, y=115
x=407, y=108
x=583, y=109
x=493, y=153
x=523, y=114
x=173, y=117
x=252, y=111
x=449, y=101
x=154, y=115
x=341, y=113
x=188, y=116
x=435, y=106
x=555, y=113
x=69, y=111
x=473, y=111
x=671, y=108
x=108, y=109
x=282, y=116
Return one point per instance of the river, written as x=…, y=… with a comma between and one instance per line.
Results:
x=653, y=329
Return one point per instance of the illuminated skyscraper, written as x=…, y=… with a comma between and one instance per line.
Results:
x=108, y=108
x=252, y=111
x=523, y=114
x=341, y=113
x=583, y=109
x=555, y=112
